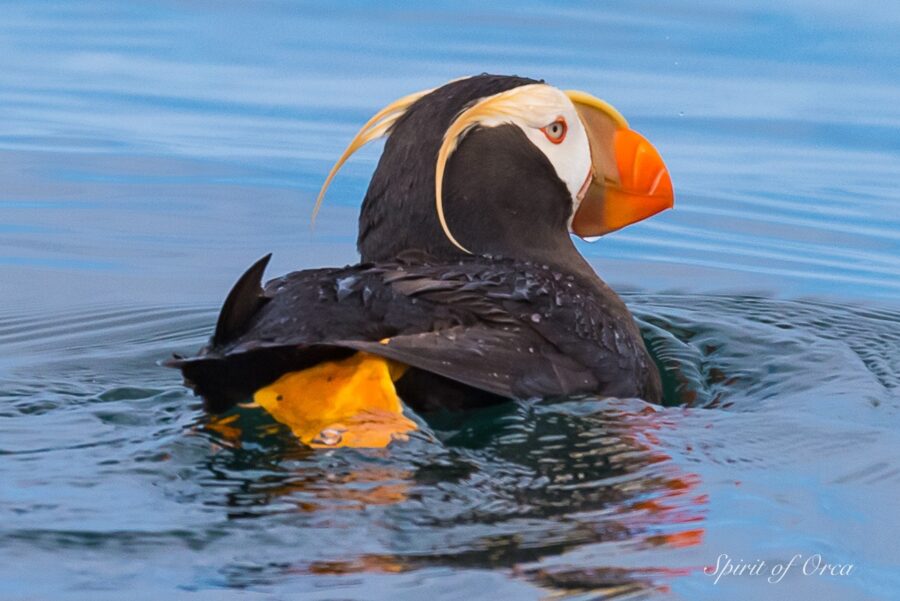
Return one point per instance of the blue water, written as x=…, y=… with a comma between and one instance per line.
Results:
x=149, y=152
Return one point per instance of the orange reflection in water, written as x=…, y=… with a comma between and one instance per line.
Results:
x=309, y=489
x=659, y=505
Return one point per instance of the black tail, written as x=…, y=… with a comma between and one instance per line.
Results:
x=244, y=300
x=225, y=379
x=222, y=381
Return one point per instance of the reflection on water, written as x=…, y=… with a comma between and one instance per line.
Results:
x=607, y=496
x=150, y=151
x=507, y=488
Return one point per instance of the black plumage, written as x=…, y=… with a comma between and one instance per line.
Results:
x=474, y=329
x=508, y=328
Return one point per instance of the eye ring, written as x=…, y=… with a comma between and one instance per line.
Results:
x=556, y=131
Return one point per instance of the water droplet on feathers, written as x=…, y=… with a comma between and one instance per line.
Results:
x=344, y=286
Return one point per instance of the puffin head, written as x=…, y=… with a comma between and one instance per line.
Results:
x=505, y=166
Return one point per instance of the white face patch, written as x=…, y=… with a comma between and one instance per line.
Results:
x=570, y=157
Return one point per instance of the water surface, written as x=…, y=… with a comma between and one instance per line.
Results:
x=150, y=152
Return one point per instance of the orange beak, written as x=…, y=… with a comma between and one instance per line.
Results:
x=630, y=181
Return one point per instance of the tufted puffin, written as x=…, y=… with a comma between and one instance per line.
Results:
x=470, y=290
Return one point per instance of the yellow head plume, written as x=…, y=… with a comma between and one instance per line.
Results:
x=379, y=125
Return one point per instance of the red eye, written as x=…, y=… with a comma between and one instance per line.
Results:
x=556, y=131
